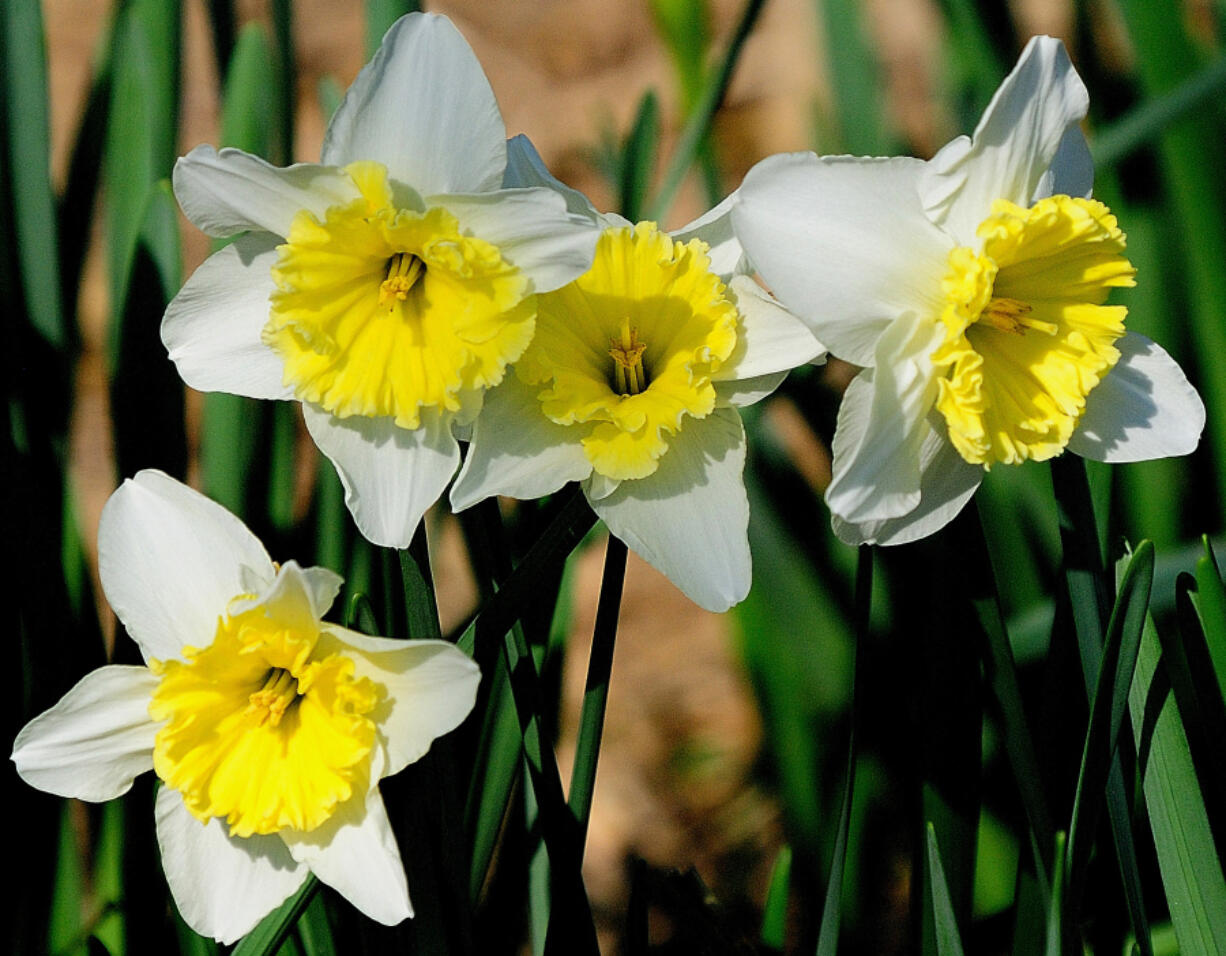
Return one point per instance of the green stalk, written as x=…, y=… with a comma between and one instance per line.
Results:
x=1087, y=589
x=704, y=113
x=1001, y=675
x=832, y=908
x=596, y=692
x=570, y=929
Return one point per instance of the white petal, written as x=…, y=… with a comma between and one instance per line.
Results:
x=212, y=327
x=431, y=686
x=1013, y=145
x=290, y=598
x=230, y=192
x=843, y=243
x=881, y=427
x=715, y=229
x=532, y=229
x=95, y=741
x=690, y=520
x=947, y=483
x=747, y=391
x=355, y=853
x=324, y=585
x=171, y=560
x=517, y=451
x=770, y=339
x=597, y=486
x=391, y=475
x=222, y=885
x=424, y=109
x=526, y=168
x=1072, y=169
x=1145, y=408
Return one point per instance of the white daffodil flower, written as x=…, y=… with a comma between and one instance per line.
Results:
x=631, y=387
x=269, y=728
x=971, y=288
x=386, y=288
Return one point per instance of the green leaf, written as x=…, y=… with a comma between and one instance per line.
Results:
x=1166, y=59
x=1056, y=929
x=685, y=26
x=775, y=909
x=596, y=690
x=948, y=940
x=1001, y=675
x=315, y=931
x=1087, y=590
x=638, y=157
x=1147, y=121
x=26, y=128
x=855, y=80
x=699, y=123
x=140, y=142
x=380, y=15
x=1211, y=609
x=249, y=101
x=1191, y=871
x=1107, y=712
x=832, y=909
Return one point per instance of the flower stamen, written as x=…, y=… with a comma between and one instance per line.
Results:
x=627, y=352
x=1012, y=315
x=270, y=702
x=403, y=271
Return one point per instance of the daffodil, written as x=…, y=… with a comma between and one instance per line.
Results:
x=269, y=728
x=631, y=387
x=386, y=288
x=972, y=288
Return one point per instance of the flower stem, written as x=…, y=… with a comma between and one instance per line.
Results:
x=571, y=929
x=704, y=112
x=1089, y=598
x=828, y=935
x=596, y=692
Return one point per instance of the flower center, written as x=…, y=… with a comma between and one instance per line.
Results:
x=1041, y=279
x=269, y=703
x=261, y=729
x=653, y=306
x=383, y=311
x=627, y=352
x=403, y=271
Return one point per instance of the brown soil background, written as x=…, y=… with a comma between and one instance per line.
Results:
x=563, y=72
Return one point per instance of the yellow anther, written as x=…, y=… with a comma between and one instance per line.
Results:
x=627, y=352
x=270, y=702
x=1010, y=315
x=403, y=271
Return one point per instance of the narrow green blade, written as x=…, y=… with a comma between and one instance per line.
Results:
x=1191, y=870
x=23, y=93
x=949, y=941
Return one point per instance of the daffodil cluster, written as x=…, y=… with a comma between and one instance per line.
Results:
x=429, y=282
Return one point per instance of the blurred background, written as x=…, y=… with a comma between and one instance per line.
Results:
x=725, y=745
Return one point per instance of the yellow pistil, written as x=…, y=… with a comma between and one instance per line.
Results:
x=1041, y=278
x=267, y=727
x=627, y=352
x=386, y=311
x=652, y=305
